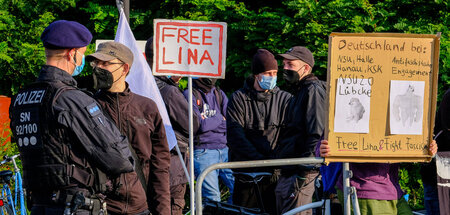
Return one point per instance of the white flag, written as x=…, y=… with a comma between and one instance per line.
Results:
x=140, y=79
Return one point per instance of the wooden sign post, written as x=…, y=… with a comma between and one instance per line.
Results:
x=382, y=96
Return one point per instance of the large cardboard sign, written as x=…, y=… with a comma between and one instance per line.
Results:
x=189, y=48
x=381, y=96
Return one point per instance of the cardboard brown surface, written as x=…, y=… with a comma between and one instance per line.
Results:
x=381, y=72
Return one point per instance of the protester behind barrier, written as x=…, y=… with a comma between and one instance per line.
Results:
x=255, y=117
x=210, y=146
x=304, y=128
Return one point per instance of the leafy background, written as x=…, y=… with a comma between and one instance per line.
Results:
x=252, y=24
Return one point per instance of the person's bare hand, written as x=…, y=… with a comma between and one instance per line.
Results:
x=324, y=148
x=433, y=148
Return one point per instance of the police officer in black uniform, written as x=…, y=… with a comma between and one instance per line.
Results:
x=67, y=145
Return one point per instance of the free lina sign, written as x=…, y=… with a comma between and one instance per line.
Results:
x=189, y=48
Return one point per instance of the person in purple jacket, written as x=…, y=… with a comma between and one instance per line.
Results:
x=210, y=104
x=377, y=185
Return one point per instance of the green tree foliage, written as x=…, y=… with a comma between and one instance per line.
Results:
x=278, y=26
x=411, y=183
x=252, y=24
x=274, y=25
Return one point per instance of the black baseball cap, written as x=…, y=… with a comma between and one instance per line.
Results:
x=299, y=53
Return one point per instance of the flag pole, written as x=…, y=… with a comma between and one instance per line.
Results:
x=124, y=5
x=119, y=5
x=126, y=9
x=191, y=148
x=180, y=156
x=147, y=80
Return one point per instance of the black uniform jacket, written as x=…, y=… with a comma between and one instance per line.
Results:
x=105, y=147
x=178, y=109
x=254, y=120
x=305, y=120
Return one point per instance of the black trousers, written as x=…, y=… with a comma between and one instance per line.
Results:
x=245, y=194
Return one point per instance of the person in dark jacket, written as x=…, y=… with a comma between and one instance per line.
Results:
x=137, y=117
x=255, y=116
x=304, y=127
x=69, y=131
x=210, y=104
x=178, y=110
x=433, y=203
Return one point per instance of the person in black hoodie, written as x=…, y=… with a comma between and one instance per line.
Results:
x=255, y=115
x=304, y=127
x=177, y=109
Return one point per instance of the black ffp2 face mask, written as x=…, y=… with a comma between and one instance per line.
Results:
x=291, y=76
x=103, y=79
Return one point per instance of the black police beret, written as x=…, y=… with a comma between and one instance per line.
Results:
x=63, y=34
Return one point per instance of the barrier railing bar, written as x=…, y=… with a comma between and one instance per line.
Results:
x=246, y=164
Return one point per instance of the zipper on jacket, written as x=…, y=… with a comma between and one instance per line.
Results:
x=118, y=113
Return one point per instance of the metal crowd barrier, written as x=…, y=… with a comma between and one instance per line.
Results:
x=246, y=164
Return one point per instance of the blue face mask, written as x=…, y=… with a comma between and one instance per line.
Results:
x=267, y=82
x=79, y=68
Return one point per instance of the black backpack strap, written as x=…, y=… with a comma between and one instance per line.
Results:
x=219, y=97
x=60, y=89
x=138, y=168
x=198, y=99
